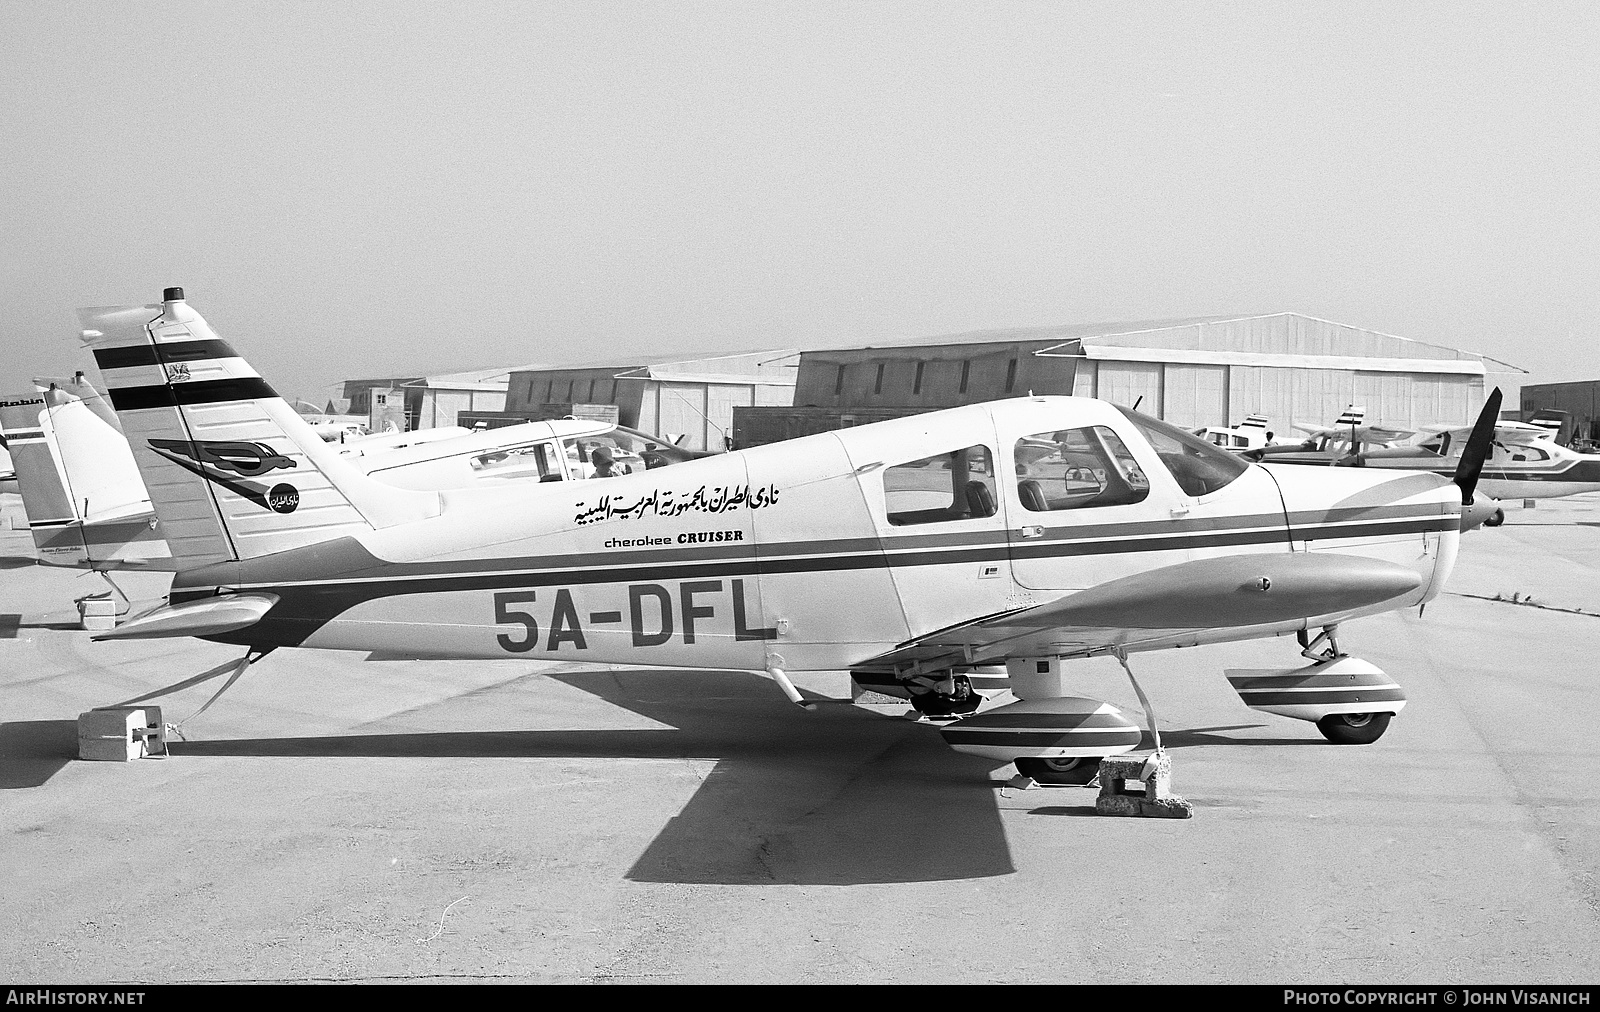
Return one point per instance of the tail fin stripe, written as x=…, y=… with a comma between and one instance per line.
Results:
x=175, y=351
x=198, y=392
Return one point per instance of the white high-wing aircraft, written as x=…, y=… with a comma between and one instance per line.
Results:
x=1525, y=461
x=1351, y=443
x=88, y=507
x=1331, y=443
x=1249, y=434
x=912, y=552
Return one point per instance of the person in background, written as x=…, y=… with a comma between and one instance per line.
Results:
x=604, y=465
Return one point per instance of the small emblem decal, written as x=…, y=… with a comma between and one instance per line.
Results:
x=283, y=498
x=178, y=372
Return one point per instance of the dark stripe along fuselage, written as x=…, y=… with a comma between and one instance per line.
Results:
x=318, y=583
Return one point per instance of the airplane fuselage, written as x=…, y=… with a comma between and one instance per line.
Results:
x=831, y=551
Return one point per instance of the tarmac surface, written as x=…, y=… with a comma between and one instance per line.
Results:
x=337, y=818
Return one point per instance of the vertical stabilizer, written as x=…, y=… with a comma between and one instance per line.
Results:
x=46, y=497
x=233, y=471
x=92, y=453
x=1352, y=416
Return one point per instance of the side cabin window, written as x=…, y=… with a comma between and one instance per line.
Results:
x=1075, y=468
x=1517, y=451
x=958, y=485
x=518, y=462
x=1198, y=467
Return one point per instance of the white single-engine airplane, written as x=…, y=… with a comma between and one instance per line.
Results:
x=1525, y=461
x=912, y=552
x=1250, y=434
x=87, y=504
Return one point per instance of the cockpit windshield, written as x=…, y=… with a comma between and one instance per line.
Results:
x=1198, y=467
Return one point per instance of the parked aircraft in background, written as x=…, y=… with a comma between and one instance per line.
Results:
x=1564, y=429
x=913, y=552
x=1331, y=444
x=8, y=472
x=1525, y=461
x=88, y=507
x=557, y=450
x=1351, y=443
x=1249, y=434
x=81, y=491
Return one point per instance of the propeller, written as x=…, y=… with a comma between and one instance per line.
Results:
x=1477, y=449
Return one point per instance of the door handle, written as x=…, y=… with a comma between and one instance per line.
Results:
x=1180, y=511
x=1031, y=532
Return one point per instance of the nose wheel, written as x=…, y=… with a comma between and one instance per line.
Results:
x=1354, y=728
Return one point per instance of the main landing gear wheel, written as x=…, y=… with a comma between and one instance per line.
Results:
x=945, y=700
x=1074, y=771
x=1354, y=728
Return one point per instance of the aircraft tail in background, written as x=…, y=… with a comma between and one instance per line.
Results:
x=85, y=502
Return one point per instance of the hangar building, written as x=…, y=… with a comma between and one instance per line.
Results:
x=433, y=401
x=1193, y=372
x=693, y=398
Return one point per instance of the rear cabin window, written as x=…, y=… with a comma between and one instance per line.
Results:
x=958, y=485
x=1519, y=452
x=518, y=462
x=1198, y=467
x=1076, y=468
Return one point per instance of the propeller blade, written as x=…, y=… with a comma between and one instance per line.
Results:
x=1477, y=449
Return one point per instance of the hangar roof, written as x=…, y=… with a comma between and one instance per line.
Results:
x=1269, y=337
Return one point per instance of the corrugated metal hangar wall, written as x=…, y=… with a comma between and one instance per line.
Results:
x=1192, y=372
x=1288, y=367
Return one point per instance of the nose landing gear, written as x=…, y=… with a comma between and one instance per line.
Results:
x=1354, y=728
x=1350, y=700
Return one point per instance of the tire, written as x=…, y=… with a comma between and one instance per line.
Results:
x=1354, y=728
x=1495, y=519
x=965, y=700
x=1070, y=771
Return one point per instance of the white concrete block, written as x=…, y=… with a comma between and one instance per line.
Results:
x=121, y=733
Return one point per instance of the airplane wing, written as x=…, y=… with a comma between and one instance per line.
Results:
x=1381, y=434
x=1521, y=433
x=1164, y=606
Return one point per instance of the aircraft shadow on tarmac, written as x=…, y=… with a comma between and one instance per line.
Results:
x=1192, y=737
x=33, y=751
x=11, y=623
x=841, y=795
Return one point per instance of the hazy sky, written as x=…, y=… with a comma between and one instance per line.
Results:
x=371, y=188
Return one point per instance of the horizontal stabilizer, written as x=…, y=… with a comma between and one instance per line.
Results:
x=209, y=617
x=1240, y=590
